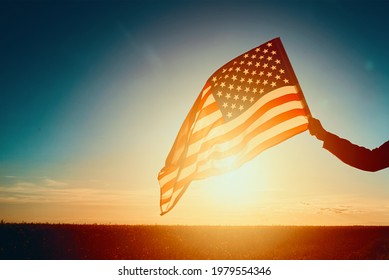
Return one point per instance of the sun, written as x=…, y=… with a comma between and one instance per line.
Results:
x=236, y=188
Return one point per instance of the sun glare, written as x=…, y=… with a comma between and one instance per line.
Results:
x=238, y=187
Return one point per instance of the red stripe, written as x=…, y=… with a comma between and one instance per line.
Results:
x=170, y=206
x=211, y=108
x=204, y=131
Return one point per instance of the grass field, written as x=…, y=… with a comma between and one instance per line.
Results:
x=105, y=242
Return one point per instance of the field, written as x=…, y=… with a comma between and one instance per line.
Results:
x=106, y=242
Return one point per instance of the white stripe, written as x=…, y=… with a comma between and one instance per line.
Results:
x=187, y=171
x=202, y=97
x=172, y=199
x=209, y=100
x=166, y=178
x=167, y=194
x=204, y=122
x=205, y=91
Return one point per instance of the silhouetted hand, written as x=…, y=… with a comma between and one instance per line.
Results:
x=316, y=129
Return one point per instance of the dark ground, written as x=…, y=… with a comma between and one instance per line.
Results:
x=106, y=242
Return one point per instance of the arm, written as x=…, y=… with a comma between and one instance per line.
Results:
x=349, y=153
x=357, y=156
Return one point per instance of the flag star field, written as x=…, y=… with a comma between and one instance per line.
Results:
x=240, y=76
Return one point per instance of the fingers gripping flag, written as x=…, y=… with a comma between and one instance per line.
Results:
x=247, y=106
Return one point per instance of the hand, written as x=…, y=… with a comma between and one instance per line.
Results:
x=316, y=129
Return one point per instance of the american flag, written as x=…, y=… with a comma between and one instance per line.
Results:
x=247, y=106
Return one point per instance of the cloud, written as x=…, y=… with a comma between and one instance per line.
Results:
x=335, y=210
x=334, y=205
x=25, y=184
x=52, y=183
x=77, y=193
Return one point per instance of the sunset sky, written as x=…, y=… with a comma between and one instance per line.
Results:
x=92, y=95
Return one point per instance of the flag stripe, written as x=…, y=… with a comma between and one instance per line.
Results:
x=174, y=199
x=207, y=119
x=208, y=110
x=198, y=135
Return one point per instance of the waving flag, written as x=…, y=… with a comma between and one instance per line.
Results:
x=247, y=106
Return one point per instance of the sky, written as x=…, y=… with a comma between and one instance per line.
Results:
x=93, y=93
